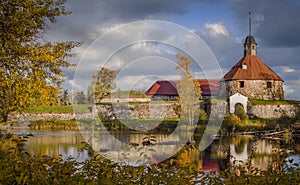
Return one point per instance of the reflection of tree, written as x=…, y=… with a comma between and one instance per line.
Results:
x=239, y=147
x=189, y=156
x=53, y=146
x=239, y=143
x=219, y=149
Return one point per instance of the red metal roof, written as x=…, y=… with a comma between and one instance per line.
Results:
x=163, y=88
x=256, y=69
x=208, y=87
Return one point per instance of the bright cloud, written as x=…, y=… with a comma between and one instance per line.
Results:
x=216, y=29
x=287, y=69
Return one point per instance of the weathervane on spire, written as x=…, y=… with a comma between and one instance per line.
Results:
x=249, y=23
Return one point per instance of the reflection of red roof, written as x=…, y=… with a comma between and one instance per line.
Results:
x=210, y=164
x=208, y=87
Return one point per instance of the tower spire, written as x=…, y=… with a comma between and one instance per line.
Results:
x=250, y=23
x=250, y=44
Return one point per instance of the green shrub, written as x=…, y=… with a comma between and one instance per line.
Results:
x=230, y=123
x=202, y=116
x=240, y=112
x=54, y=124
x=296, y=118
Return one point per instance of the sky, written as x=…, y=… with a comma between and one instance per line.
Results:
x=119, y=35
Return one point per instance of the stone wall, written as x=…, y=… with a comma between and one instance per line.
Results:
x=157, y=110
x=152, y=110
x=215, y=109
x=47, y=116
x=274, y=111
x=116, y=99
x=253, y=89
x=137, y=111
x=164, y=97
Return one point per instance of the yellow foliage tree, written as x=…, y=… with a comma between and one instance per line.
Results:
x=101, y=85
x=188, y=89
x=30, y=66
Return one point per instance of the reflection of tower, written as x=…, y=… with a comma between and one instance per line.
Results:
x=240, y=158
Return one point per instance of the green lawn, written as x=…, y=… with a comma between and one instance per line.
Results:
x=136, y=103
x=213, y=100
x=59, y=109
x=273, y=102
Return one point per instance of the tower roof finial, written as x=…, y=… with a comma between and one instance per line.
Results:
x=249, y=23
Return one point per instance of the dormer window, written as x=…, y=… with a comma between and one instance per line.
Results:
x=244, y=66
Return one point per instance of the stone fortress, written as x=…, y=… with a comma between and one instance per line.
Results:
x=251, y=77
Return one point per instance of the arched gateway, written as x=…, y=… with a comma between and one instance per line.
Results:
x=236, y=99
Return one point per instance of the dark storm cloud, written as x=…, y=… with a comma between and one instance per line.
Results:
x=275, y=22
x=90, y=17
x=280, y=56
x=133, y=9
x=276, y=27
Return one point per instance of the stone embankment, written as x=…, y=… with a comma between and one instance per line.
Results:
x=137, y=111
x=47, y=116
x=274, y=111
x=158, y=110
x=152, y=110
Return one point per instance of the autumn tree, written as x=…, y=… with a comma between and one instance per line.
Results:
x=101, y=85
x=64, y=98
x=30, y=66
x=188, y=89
x=79, y=97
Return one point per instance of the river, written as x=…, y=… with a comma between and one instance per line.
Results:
x=229, y=150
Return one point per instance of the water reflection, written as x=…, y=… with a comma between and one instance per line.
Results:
x=218, y=156
x=66, y=144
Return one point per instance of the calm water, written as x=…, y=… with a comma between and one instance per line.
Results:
x=216, y=157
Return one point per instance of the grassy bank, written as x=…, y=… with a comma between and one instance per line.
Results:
x=234, y=123
x=54, y=125
x=273, y=102
x=85, y=108
x=165, y=126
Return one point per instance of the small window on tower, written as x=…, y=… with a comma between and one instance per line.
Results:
x=241, y=84
x=269, y=84
x=244, y=66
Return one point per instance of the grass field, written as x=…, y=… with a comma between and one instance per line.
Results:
x=59, y=109
x=273, y=102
